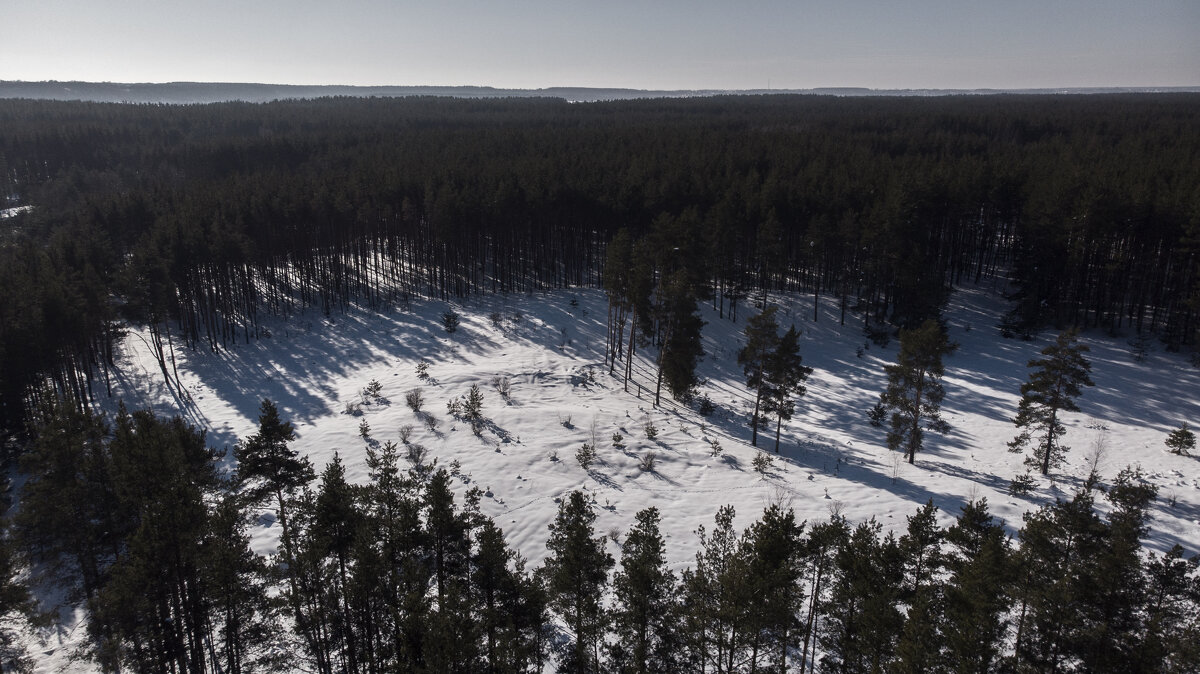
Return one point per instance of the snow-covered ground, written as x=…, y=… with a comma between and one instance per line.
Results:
x=831, y=458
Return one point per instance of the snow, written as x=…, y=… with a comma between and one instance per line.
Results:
x=831, y=458
x=14, y=212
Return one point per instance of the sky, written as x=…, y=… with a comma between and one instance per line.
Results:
x=646, y=44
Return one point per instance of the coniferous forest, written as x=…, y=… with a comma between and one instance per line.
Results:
x=201, y=221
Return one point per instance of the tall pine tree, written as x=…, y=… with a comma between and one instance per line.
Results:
x=1053, y=386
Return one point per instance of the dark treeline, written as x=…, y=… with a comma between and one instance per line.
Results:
x=395, y=575
x=199, y=220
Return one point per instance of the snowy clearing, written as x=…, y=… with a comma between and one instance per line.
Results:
x=551, y=348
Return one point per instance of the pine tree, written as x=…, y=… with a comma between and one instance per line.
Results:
x=266, y=467
x=785, y=375
x=645, y=604
x=511, y=611
x=716, y=598
x=1181, y=440
x=773, y=549
x=244, y=620
x=919, y=648
x=976, y=602
x=163, y=474
x=1052, y=388
x=1054, y=581
x=914, y=391
x=1170, y=635
x=762, y=341
x=69, y=512
x=862, y=616
x=16, y=606
x=681, y=349
x=576, y=574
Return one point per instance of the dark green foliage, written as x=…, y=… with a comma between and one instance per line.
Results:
x=762, y=340
x=450, y=321
x=773, y=550
x=681, y=348
x=785, y=373
x=69, y=513
x=214, y=216
x=266, y=465
x=716, y=598
x=645, y=614
x=1181, y=440
x=1053, y=386
x=862, y=620
x=17, y=607
x=914, y=390
x=976, y=598
x=576, y=577
x=156, y=591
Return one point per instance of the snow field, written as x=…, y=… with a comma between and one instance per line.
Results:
x=553, y=354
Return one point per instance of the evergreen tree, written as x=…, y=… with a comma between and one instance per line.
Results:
x=914, y=390
x=154, y=612
x=1181, y=440
x=821, y=546
x=1170, y=639
x=976, y=603
x=682, y=348
x=862, y=615
x=1052, y=388
x=716, y=599
x=511, y=609
x=919, y=648
x=1059, y=545
x=16, y=606
x=334, y=526
x=244, y=619
x=785, y=374
x=773, y=549
x=645, y=605
x=69, y=514
x=1116, y=596
x=762, y=341
x=576, y=574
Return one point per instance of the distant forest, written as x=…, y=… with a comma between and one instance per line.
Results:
x=200, y=220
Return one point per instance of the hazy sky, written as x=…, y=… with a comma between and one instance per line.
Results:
x=649, y=44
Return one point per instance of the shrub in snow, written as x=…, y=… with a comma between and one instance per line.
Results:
x=1021, y=484
x=586, y=456
x=414, y=399
x=650, y=429
x=454, y=407
x=762, y=463
x=647, y=462
x=353, y=409
x=374, y=390
x=715, y=448
x=450, y=321
x=706, y=405
x=495, y=318
x=364, y=429
x=473, y=407
x=502, y=385
x=423, y=370
x=618, y=441
x=877, y=415
x=405, y=433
